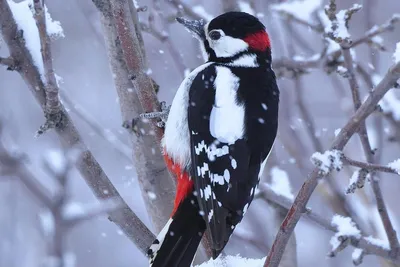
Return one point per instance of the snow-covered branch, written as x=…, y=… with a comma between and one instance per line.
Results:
x=294, y=214
x=25, y=50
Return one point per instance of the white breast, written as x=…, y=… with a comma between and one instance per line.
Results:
x=227, y=116
x=176, y=139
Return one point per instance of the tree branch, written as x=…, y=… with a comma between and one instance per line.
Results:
x=87, y=165
x=298, y=207
x=382, y=210
x=363, y=243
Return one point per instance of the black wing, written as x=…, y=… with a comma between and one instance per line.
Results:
x=225, y=175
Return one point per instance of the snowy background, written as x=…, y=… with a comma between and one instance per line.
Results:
x=81, y=60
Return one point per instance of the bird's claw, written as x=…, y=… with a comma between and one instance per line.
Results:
x=162, y=115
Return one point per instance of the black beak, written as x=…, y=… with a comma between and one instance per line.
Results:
x=196, y=27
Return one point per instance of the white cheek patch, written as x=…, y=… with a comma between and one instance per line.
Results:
x=227, y=116
x=228, y=46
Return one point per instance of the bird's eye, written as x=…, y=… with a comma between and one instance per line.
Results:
x=215, y=35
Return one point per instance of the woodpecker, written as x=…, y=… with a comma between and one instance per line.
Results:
x=220, y=130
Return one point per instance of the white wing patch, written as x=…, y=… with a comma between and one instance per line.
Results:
x=227, y=117
x=177, y=136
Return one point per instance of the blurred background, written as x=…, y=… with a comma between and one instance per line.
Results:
x=81, y=60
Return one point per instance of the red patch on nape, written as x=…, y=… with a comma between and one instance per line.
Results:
x=184, y=184
x=258, y=41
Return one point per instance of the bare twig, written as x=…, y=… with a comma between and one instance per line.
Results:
x=368, y=166
x=9, y=63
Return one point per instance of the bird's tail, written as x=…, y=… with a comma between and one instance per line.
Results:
x=177, y=242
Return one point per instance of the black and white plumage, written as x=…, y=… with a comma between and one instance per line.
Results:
x=221, y=128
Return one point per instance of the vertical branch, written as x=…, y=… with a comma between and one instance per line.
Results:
x=126, y=63
x=51, y=89
x=89, y=168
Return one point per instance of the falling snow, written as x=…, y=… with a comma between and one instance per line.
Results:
x=151, y=195
x=56, y=161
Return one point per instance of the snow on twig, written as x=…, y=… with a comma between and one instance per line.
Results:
x=23, y=14
x=328, y=161
x=357, y=256
x=395, y=165
x=357, y=180
x=346, y=229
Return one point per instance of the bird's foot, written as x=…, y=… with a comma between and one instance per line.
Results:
x=162, y=115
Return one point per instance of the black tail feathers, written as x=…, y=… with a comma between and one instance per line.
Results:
x=177, y=243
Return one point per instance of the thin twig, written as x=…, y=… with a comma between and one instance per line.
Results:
x=9, y=62
x=368, y=166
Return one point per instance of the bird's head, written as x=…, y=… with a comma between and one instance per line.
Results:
x=230, y=36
